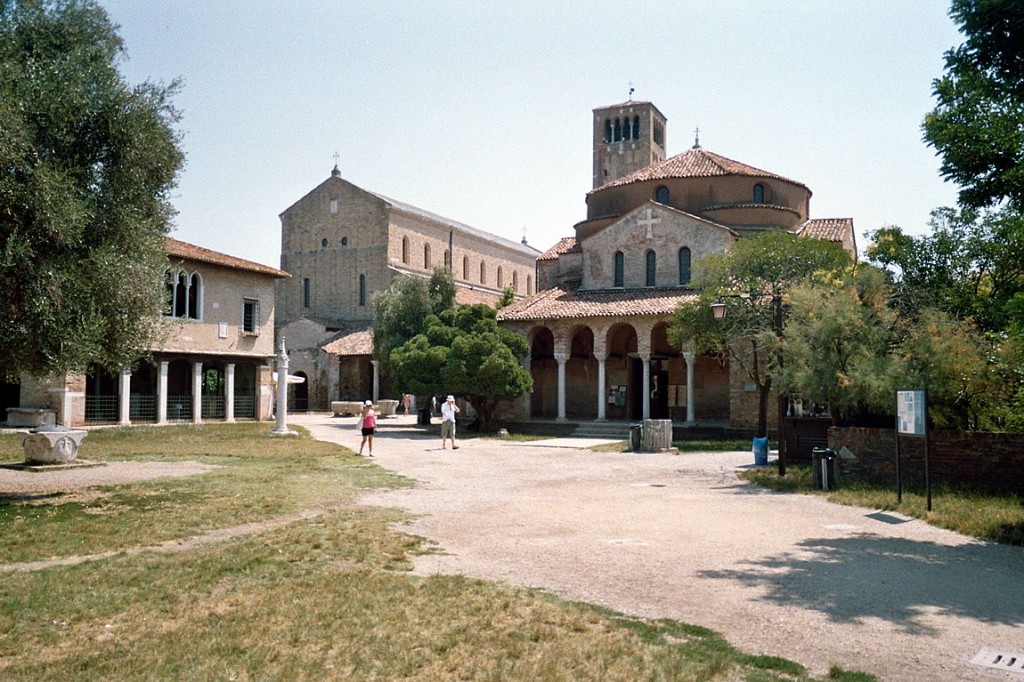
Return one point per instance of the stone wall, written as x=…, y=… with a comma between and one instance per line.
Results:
x=985, y=461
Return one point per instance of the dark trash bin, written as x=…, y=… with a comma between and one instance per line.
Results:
x=423, y=418
x=636, y=436
x=825, y=468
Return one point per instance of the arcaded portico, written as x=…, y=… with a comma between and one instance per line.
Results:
x=591, y=358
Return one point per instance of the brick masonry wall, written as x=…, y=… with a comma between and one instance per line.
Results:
x=985, y=461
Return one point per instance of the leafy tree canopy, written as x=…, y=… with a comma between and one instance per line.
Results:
x=751, y=280
x=971, y=265
x=401, y=311
x=464, y=352
x=977, y=126
x=87, y=163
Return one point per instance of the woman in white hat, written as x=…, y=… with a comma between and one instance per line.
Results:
x=448, y=412
x=369, y=422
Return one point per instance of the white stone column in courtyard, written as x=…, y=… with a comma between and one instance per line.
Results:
x=561, y=358
x=161, y=393
x=646, y=397
x=229, y=392
x=602, y=399
x=197, y=392
x=376, y=379
x=124, y=397
x=690, y=408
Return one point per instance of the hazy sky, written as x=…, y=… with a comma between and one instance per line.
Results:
x=481, y=111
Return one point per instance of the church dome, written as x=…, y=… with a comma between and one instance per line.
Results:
x=708, y=185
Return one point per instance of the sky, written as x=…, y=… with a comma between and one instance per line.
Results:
x=482, y=111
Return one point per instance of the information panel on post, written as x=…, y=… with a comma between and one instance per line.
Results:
x=910, y=413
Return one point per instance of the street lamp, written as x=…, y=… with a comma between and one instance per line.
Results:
x=718, y=310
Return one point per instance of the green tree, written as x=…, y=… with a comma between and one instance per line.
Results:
x=977, y=126
x=464, y=352
x=838, y=344
x=971, y=265
x=88, y=162
x=751, y=281
x=400, y=313
x=441, y=290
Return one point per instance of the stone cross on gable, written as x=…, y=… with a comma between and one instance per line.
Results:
x=649, y=222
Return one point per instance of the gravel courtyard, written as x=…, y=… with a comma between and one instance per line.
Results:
x=679, y=536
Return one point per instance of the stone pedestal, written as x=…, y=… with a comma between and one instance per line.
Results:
x=51, y=445
x=657, y=435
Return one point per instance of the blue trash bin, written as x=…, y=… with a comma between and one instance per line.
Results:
x=761, y=450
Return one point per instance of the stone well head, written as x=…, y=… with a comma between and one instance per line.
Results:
x=51, y=444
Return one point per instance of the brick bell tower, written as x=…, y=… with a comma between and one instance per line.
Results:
x=627, y=137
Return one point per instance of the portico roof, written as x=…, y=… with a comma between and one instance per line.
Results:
x=556, y=303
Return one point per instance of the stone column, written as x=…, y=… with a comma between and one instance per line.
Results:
x=124, y=396
x=690, y=408
x=229, y=392
x=646, y=361
x=197, y=392
x=561, y=359
x=161, y=393
x=602, y=388
x=376, y=380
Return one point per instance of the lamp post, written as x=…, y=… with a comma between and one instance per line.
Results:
x=718, y=311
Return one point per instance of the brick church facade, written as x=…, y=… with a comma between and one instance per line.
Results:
x=597, y=325
x=341, y=244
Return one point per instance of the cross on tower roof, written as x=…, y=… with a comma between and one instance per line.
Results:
x=696, y=138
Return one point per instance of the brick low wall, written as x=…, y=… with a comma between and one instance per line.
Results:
x=984, y=461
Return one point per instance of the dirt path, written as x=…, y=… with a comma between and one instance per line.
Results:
x=679, y=536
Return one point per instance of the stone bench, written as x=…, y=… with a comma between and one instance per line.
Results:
x=31, y=416
x=346, y=408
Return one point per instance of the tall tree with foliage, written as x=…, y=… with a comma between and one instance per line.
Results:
x=977, y=126
x=751, y=280
x=971, y=265
x=401, y=311
x=87, y=163
x=838, y=343
x=464, y=352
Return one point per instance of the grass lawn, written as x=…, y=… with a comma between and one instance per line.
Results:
x=999, y=518
x=327, y=596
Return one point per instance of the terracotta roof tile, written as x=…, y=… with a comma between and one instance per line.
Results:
x=564, y=245
x=695, y=162
x=559, y=303
x=465, y=296
x=830, y=229
x=351, y=343
x=179, y=249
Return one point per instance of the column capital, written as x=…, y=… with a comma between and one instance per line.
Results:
x=561, y=357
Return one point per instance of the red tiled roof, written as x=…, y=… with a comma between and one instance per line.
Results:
x=695, y=162
x=353, y=343
x=179, y=249
x=465, y=296
x=830, y=229
x=564, y=245
x=559, y=303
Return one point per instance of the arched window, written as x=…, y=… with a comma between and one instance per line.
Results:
x=627, y=129
x=515, y=281
x=684, y=266
x=636, y=127
x=426, y=256
x=651, y=258
x=758, y=194
x=620, y=268
x=169, y=296
x=501, y=278
x=618, y=130
x=305, y=292
x=529, y=285
x=405, y=250
x=465, y=268
x=661, y=195
x=607, y=130
x=483, y=273
x=181, y=296
x=362, y=290
x=195, y=297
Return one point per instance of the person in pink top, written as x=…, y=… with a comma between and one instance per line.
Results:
x=369, y=422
